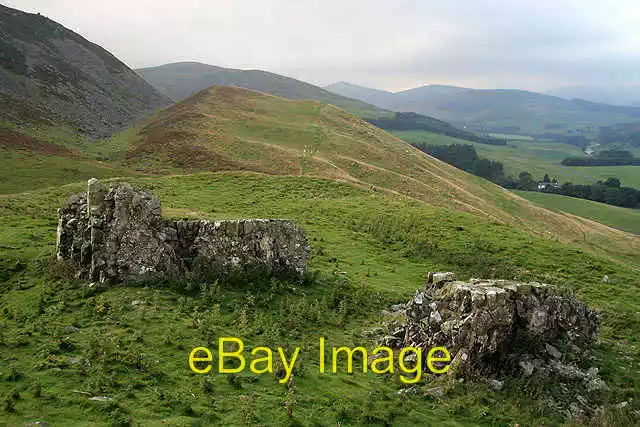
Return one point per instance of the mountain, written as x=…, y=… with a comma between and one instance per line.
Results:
x=615, y=95
x=179, y=80
x=497, y=110
x=372, y=96
x=52, y=75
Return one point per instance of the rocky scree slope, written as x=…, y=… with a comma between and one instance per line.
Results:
x=50, y=74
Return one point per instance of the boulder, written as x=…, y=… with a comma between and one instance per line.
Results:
x=493, y=326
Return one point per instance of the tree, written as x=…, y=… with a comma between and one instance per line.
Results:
x=612, y=182
x=525, y=181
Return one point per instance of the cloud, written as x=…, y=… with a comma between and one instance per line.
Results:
x=394, y=45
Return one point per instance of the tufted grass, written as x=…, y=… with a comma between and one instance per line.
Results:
x=369, y=250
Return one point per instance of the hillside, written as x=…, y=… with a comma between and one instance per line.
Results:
x=182, y=79
x=53, y=76
x=72, y=355
x=226, y=128
x=29, y=163
x=524, y=154
x=496, y=110
x=613, y=216
x=614, y=95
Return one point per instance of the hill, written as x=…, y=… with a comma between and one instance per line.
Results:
x=613, y=216
x=225, y=128
x=53, y=76
x=372, y=96
x=29, y=162
x=614, y=95
x=179, y=80
x=496, y=110
x=182, y=79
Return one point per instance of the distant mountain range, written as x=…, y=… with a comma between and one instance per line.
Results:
x=617, y=95
x=498, y=110
x=182, y=79
x=51, y=74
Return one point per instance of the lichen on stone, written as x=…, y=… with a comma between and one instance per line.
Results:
x=117, y=233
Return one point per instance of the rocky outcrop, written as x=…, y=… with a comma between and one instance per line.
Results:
x=498, y=326
x=117, y=233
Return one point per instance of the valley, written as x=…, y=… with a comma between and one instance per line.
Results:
x=216, y=143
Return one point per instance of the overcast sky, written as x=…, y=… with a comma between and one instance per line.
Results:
x=386, y=44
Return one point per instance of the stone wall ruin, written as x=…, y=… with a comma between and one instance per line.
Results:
x=116, y=233
x=498, y=326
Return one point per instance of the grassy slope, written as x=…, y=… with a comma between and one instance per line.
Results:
x=65, y=341
x=48, y=156
x=613, y=216
x=24, y=170
x=537, y=158
x=227, y=128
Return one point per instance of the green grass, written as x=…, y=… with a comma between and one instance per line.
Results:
x=60, y=340
x=629, y=176
x=535, y=157
x=613, y=216
x=25, y=170
x=512, y=137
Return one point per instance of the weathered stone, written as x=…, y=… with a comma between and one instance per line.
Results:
x=496, y=384
x=434, y=391
x=595, y=384
x=437, y=279
x=101, y=398
x=552, y=351
x=117, y=233
x=498, y=325
x=527, y=368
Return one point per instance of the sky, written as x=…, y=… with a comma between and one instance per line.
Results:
x=386, y=44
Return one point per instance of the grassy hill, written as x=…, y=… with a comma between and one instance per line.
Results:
x=496, y=109
x=30, y=162
x=182, y=79
x=379, y=215
x=62, y=343
x=613, y=216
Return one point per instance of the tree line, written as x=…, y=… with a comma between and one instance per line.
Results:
x=413, y=121
x=465, y=157
x=610, y=192
x=604, y=158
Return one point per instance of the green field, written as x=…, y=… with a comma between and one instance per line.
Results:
x=24, y=170
x=613, y=216
x=62, y=342
x=535, y=157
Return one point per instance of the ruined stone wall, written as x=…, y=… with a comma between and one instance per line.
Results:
x=497, y=325
x=117, y=233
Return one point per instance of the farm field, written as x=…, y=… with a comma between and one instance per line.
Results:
x=535, y=157
x=613, y=216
